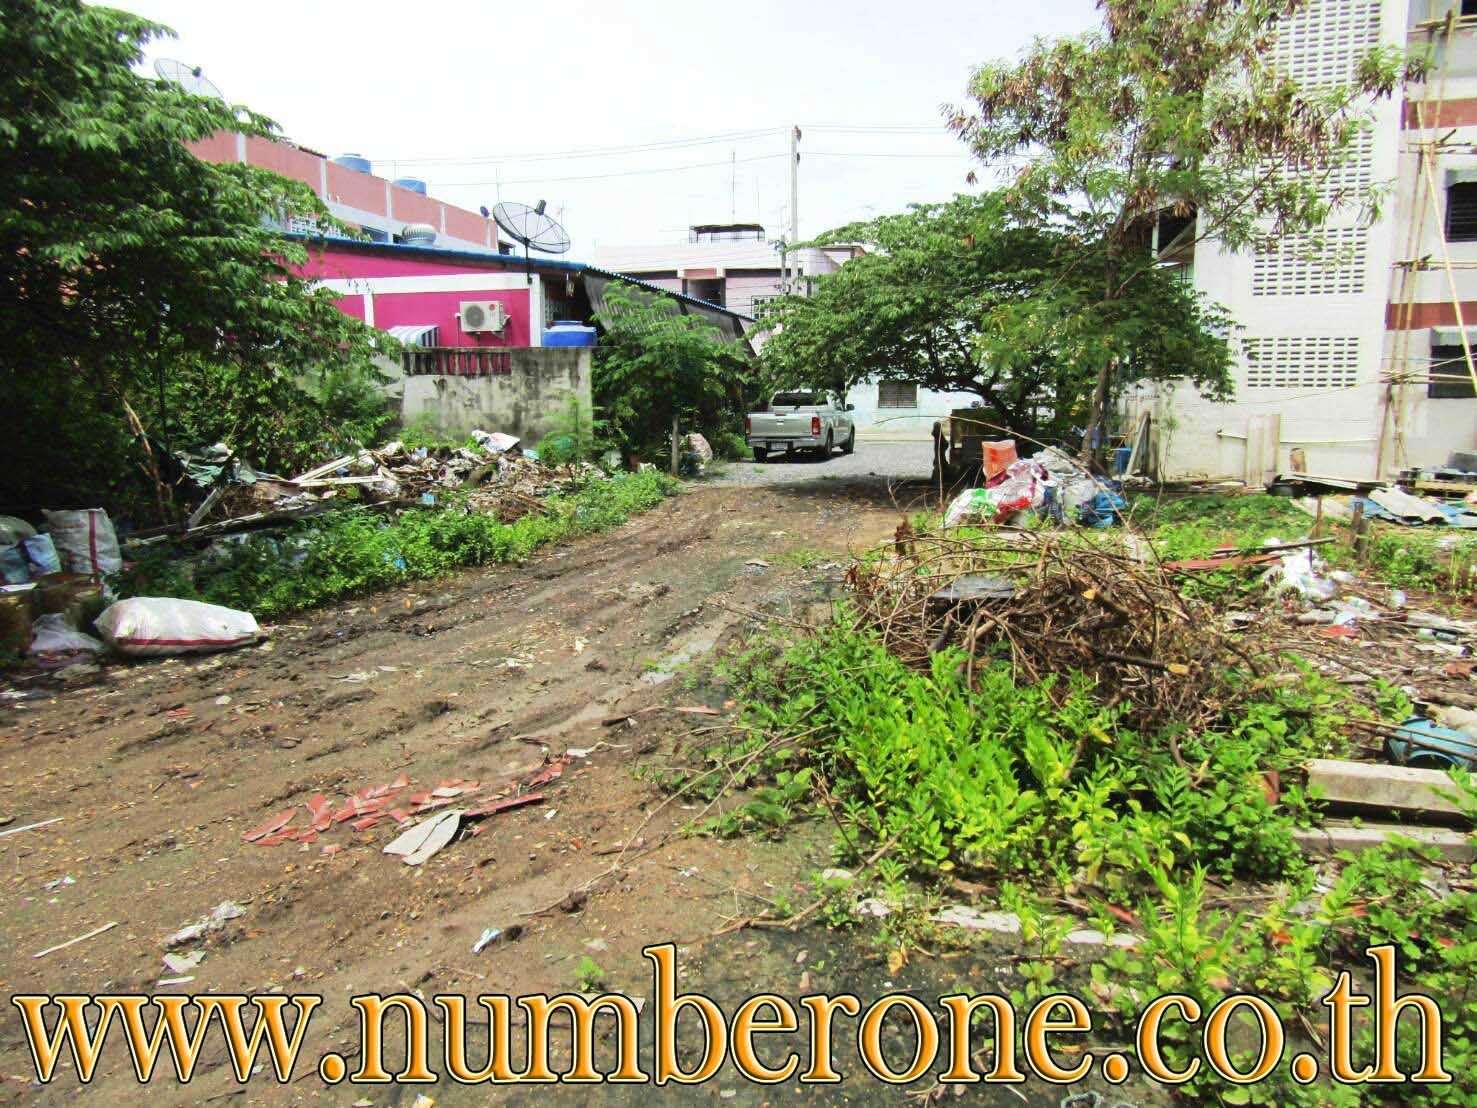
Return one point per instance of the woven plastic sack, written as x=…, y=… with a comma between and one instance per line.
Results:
x=145, y=625
x=86, y=541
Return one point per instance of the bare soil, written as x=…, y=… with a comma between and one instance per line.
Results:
x=482, y=676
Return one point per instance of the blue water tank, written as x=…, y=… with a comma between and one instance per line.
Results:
x=414, y=184
x=569, y=333
x=355, y=162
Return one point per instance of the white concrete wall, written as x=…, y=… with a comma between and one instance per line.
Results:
x=903, y=423
x=1320, y=324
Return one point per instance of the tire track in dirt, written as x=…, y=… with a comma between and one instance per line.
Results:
x=154, y=806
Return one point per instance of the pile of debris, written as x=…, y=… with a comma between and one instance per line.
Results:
x=1052, y=603
x=1051, y=484
x=500, y=478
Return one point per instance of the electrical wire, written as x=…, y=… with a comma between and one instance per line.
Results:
x=605, y=176
x=663, y=144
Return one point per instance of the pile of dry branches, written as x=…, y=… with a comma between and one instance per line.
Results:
x=1055, y=602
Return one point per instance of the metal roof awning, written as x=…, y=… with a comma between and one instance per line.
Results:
x=417, y=334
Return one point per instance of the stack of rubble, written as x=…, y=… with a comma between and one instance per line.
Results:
x=499, y=478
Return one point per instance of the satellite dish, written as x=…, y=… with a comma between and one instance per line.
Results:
x=531, y=227
x=189, y=78
x=534, y=229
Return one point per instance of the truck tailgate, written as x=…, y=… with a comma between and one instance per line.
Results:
x=781, y=425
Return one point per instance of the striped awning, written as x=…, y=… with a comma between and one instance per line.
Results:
x=417, y=334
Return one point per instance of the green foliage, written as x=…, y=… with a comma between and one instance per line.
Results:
x=589, y=975
x=728, y=446
x=966, y=296
x=1037, y=779
x=355, y=552
x=654, y=364
x=130, y=262
x=573, y=436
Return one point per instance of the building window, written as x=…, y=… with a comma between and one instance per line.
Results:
x=1469, y=7
x=897, y=394
x=1461, y=212
x=1449, y=377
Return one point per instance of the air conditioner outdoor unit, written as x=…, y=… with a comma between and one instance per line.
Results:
x=482, y=315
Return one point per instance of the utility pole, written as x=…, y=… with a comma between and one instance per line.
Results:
x=795, y=200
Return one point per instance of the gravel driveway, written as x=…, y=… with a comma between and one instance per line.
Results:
x=884, y=461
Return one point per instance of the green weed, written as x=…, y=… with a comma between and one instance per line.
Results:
x=354, y=552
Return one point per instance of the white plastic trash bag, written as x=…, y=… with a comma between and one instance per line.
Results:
x=52, y=634
x=85, y=541
x=970, y=506
x=494, y=442
x=145, y=625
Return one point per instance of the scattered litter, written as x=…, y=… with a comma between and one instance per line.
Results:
x=223, y=912
x=79, y=939
x=183, y=963
x=426, y=838
x=166, y=981
x=835, y=873
x=60, y=882
x=496, y=934
x=31, y=826
x=1006, y=923
x=54, y=636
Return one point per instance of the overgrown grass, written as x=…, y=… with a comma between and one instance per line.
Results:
x=1038, y=779
x=354, y=552
x=1051, y=801
x=1437, y=559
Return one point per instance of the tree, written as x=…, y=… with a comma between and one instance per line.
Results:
x=967, y=296
x=1173, y=104
x=656, y=365
x=133, y=269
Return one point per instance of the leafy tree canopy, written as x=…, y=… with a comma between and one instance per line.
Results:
x=656, y=367
x=968, y=296
x=124, y=258
x=1173, y=104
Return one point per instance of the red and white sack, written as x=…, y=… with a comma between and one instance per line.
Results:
x=159, y=625
x=86, y=541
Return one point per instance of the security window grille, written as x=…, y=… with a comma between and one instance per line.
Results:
x=1449, y=377
x=1461, y=212
x=897, y=394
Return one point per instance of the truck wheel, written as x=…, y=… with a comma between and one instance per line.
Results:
x=825, y=451
x=849, y=446
x=760, y=453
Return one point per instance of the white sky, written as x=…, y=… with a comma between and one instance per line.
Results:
x=462, y=92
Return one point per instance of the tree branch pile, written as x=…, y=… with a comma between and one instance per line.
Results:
x=1053, y=603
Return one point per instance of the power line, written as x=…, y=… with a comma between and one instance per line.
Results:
x=590, y=151
x=604, y=176
x=661, y=144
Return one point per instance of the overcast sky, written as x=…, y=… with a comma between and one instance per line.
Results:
x=492, y=100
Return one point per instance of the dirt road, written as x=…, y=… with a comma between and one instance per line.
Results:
x=158, y=768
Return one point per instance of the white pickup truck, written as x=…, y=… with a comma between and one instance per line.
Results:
x=806, y=421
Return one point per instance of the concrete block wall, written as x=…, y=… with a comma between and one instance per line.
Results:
x=529, y=402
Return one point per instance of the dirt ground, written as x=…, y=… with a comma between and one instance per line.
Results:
x=158, y=768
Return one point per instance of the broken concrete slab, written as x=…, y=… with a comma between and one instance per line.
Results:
x=1384, y=788
x=1332, y=838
